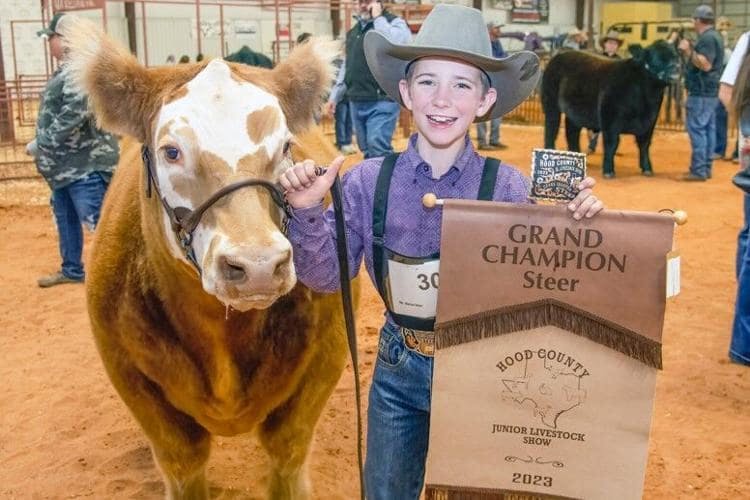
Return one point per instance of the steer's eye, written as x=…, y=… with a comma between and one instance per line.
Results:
x=171, y=153
x=287, y=147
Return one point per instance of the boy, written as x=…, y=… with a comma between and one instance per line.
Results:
x=448, y=79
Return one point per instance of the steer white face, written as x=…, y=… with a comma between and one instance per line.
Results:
x=215, y=130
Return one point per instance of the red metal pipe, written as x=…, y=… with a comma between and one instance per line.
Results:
x=145, y=34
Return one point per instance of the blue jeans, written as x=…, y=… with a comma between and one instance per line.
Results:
x=701, y=128
x=398, y=420
x=77, y=203
x=374, y=123
x=343, y=120
x=494, y=132
x=722, y=118
x=739, y=347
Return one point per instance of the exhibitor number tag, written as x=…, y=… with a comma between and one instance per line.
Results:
x=414, y=288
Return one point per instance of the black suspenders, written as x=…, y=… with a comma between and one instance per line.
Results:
x=380, y=209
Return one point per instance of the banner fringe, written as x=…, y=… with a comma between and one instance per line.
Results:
x=441, y=492
x=546, y=312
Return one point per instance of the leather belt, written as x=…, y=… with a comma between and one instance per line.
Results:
x=419, y=341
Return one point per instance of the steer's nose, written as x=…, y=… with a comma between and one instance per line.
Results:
x=262, y=268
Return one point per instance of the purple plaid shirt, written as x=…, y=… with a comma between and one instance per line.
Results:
x=411, y=229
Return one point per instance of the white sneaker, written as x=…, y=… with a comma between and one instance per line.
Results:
x=347, y=149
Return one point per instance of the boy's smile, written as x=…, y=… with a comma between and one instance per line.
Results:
x=445, y=96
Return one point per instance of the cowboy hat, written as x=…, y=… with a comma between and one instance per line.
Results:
x=612, y=35
x=457, y=32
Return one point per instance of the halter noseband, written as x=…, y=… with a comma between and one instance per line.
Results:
x=184, y=221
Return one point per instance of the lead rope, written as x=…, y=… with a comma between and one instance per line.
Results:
x=346, y=299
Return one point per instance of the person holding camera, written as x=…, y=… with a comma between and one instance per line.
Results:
x=705, y=58
x=374, y=114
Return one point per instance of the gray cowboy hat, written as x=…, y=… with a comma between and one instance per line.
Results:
x=458, y=32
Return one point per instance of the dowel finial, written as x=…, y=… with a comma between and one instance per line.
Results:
x=429, y=200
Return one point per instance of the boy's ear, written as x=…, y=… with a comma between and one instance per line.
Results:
x=403, y=88
x=490, y=97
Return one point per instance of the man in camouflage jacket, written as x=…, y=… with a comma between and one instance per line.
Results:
x=74, y=157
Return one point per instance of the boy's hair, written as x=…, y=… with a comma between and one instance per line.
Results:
x=482, y=76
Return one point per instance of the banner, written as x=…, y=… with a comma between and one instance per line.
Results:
x=548, y=341
x=69, y=5
x=529, y=11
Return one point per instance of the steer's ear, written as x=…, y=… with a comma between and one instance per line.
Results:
x=123, y=94
x=636, y=51
x=303, y=79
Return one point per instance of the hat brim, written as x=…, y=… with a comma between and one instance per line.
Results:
x=618, y=40
x=514, y=77
x=45, y=33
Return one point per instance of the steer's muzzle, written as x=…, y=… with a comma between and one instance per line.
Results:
x=252, y=277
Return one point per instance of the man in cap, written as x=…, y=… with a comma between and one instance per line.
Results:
x=705, y=60
x=493, y=28
x=74, y=157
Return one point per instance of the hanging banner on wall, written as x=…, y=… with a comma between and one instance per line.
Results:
x=68, y=5
x=529, y=11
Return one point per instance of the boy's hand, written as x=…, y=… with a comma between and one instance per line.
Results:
x=303, y=188
x=585, y=204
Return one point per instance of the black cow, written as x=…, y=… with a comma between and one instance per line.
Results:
x=614, y=96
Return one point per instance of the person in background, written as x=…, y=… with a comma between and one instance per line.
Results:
x=722, y=117
x=494, y=30
x=248, y=56
x=576, y=40
x=342, y=114
x=74, y=157
x=184, y=59
x=374, y=113
x=734, y=93
x=610, y=45
x=703, y=70
x=170, y=59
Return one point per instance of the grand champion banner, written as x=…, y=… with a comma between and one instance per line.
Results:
x=548, y=341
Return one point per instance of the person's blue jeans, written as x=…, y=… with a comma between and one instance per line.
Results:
x=722, y=119
x=343, y=120
x=398, y=420
x=494, y=132
x=73, y=205
x=701, y=128
x=374, y=123
x=739, y=347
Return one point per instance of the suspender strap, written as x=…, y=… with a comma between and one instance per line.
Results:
x=379, y=211
x=489, y=179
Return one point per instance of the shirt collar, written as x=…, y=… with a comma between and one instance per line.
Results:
x=414, y=160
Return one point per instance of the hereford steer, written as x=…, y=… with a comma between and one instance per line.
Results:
x=202, y=329
x=614, y=96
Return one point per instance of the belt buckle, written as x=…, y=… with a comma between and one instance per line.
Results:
x=419, y=341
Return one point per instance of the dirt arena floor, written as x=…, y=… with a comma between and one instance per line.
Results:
x=64, y=433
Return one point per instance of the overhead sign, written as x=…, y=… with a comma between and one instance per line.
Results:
x=68, y=5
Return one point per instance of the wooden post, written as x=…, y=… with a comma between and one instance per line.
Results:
x=130, y=18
